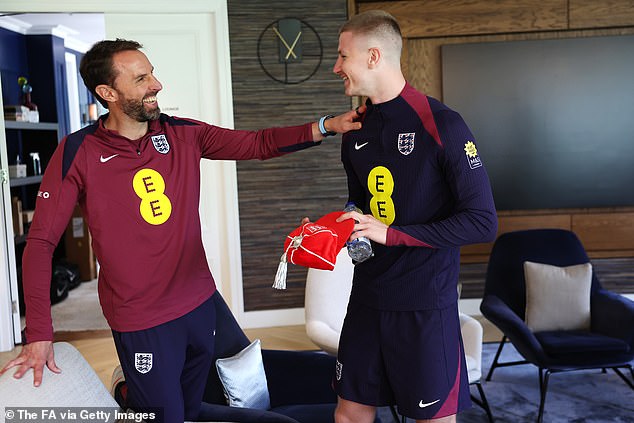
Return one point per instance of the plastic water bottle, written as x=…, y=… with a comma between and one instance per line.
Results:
x=359, y=249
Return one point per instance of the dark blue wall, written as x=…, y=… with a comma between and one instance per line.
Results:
x=48, y=78
x=39, y=58
x=13, y=64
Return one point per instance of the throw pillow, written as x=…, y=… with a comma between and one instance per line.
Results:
x=243, y=378
x=557, y=298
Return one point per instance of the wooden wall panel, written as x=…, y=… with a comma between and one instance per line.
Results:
x=480, y=252
x=605, y=232
x=424, y=62
x=601, y=14
x=433, y=18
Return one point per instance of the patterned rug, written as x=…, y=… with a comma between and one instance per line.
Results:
x=513, y=393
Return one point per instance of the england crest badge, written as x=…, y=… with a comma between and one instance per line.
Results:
x=406, y=143
x=143, y=362
x=160, y=143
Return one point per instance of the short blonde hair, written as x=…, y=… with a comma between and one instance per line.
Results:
x=379, y=25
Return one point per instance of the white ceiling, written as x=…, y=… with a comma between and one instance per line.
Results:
x=79, y=30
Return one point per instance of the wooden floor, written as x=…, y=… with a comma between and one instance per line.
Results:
x=99, y=350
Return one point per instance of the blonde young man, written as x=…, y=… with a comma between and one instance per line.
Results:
x=414, y=170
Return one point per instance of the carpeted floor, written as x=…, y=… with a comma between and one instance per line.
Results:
x=588, y=396
x=80, y=311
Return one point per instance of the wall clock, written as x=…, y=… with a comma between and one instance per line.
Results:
x=289, y=50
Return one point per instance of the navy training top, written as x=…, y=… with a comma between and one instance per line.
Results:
x=414, y=165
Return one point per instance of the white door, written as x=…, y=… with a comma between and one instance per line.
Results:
x=9, y=306
x=188, y=59
x=188, y=44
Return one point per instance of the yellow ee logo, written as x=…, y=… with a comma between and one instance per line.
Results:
x=381, y=186
x=155, y=206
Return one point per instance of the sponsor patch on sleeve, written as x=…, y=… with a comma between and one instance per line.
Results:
x=472, y=155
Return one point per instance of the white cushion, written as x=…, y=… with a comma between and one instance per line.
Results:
x=243, y=378
x=557, y=298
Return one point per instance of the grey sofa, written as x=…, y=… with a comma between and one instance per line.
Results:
x=77, y=386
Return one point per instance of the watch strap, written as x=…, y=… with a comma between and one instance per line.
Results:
x=322, y=128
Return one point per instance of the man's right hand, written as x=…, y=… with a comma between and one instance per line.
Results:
x=34, y=356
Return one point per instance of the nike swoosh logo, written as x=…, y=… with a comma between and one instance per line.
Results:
x=421, y=404
x=359, y=146
x=103, y=159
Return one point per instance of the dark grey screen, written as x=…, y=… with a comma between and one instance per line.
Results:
x=553, y=119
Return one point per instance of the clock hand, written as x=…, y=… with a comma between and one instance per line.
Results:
x=290, y=50
x=293, y=46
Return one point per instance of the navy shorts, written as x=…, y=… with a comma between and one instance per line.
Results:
x=413, y=359
x=166, y=366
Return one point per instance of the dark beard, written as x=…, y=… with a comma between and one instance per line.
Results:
x=136, y=110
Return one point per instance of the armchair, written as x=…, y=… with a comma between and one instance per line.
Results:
x=608, y=343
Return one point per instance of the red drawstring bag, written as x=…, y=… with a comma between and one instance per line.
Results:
x=314, y=244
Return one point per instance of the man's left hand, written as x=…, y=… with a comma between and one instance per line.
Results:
x=345, y=122
x=340, y=124
x=366, y=225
